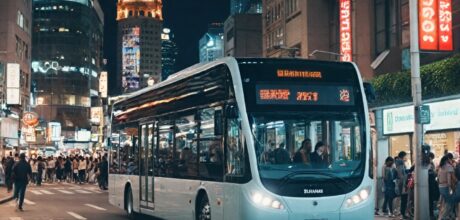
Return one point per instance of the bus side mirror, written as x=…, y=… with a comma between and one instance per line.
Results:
x=369, y=91
x=218, y=123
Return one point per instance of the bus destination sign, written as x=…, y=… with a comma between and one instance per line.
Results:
x=304, y=95
x=284, y=73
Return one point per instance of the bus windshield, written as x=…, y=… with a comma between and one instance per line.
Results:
x=305, y=147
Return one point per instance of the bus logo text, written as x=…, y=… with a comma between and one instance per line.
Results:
x=313, y=191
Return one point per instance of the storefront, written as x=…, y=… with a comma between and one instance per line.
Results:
x=442, y=134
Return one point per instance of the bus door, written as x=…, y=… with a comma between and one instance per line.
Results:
x=148, y=143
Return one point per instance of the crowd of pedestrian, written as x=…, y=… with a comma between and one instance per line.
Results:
x=443, y=183
x=20, y=171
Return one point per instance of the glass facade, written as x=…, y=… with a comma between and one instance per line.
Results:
x=169, y=54
x=66, y=61
x=211, y=45
x=245, y=7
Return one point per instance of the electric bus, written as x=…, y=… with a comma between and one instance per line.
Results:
x=252, y=138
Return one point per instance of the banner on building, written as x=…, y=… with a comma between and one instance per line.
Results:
x=345, y=31
x=13, y=92
x=103, y=84
x=96, y=115
x=54, y=131
x=435, y=25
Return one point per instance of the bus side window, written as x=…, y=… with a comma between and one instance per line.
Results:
x=211, y=155
x=165, y=148
x=186, y=147
x=129, y=160
x=235, y=151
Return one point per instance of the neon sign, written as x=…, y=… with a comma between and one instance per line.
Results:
x=303, y=95
x=345, y=31
x=298, y=74
x=435, y=25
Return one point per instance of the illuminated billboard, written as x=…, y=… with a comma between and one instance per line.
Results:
x=435, y=25
x=345, y=30
x=131, y=55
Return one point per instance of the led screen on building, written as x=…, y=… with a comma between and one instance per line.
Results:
x=131, y=58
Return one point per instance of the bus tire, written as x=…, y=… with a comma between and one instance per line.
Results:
x=129, y=205
x=203, y=211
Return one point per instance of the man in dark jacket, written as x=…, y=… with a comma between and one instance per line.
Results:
x=22, y=173
x=103, y=173
x=8, y=172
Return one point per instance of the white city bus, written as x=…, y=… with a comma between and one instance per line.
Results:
x=230, y=140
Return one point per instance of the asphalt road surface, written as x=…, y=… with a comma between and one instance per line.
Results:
x=64, y=201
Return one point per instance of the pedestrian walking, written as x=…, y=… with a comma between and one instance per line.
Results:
x=432, y=186
x=75, y=164
x=33, y=163
x=40, y=170
x=22, y=172
x=103, y=170
x=82, y=170
x=401, y=182
x=51, y=169
x=389, y=176
x=8, y=172
x=446, y=181
x=68, y=170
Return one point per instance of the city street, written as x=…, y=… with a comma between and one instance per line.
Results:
x=63, y=201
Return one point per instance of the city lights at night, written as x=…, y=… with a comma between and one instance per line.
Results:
x=230, y=109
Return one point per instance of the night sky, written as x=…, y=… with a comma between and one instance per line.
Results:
x=187, y=19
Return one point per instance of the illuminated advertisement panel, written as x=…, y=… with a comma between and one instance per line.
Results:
x=428, y=23
x=445, y=25
x=345, y=30
x=435, y=25
x=131, y=59
x=304, y=95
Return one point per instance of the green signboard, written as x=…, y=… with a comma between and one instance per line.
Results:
x=424, y=116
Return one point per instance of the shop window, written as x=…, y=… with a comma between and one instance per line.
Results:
x=443, y=142
x=186, y=147
x=400, y=143
x=129, y=150
x=210, y=144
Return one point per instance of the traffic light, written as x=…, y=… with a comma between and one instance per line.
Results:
x=426, y=154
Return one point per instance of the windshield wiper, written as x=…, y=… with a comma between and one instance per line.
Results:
x=289, y=176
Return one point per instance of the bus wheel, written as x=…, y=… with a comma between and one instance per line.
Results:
x=129, y=204
x=204, y=209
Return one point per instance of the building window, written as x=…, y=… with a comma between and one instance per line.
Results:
x=20, y=19
x=386, y=25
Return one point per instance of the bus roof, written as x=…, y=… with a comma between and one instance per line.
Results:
x=200, y=67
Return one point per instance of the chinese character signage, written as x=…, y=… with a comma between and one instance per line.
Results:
x=435, y=25
x=131, y=59
x=303, y=95
x=345, y=30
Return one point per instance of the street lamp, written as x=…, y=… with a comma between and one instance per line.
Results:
x=312, y=54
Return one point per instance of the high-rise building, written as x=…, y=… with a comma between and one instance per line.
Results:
x=211, y=45
x=245, y=7
x=66, y=63
x=243, y=35
x=139, y=43
x=15, y=48
x=169, y=53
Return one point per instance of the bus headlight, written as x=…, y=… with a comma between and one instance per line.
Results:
x=359, y=197
x=266, y=201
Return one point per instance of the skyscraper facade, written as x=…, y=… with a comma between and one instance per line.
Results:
x=139, y=43
x=66, y=63
x=15, y=48
x=169, y=53
x=211, y=45
x=245, y=7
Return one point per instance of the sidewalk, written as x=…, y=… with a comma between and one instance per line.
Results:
x=4, y=196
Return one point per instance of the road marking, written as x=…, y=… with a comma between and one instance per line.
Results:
x=16, y=218
x=46, y=192
x=82, y=191
x=65, y=191
x=36, y=192
x=94, y=190
x=28, y=202
x=77, y=216
x=96, y=207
